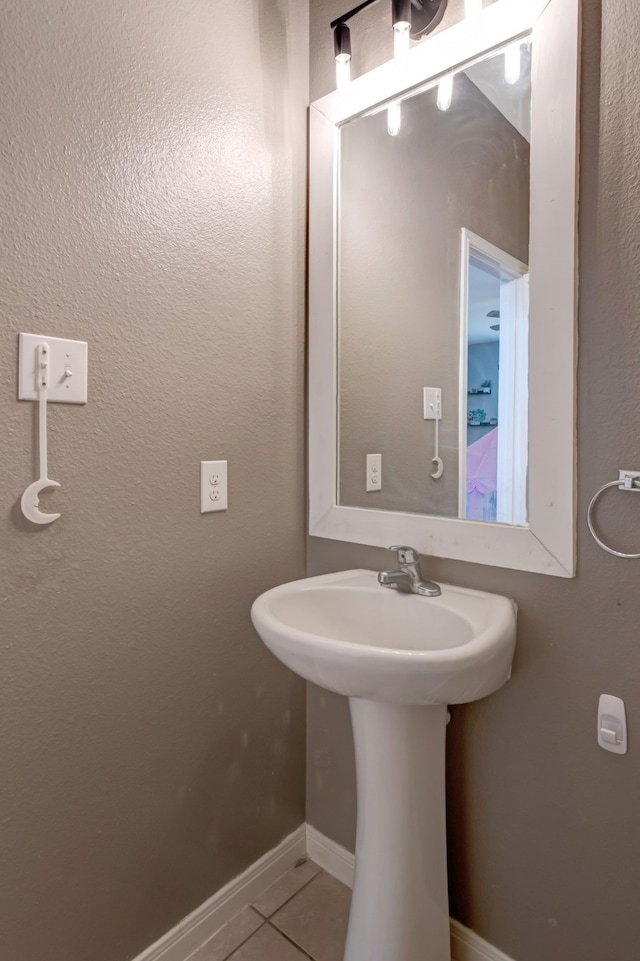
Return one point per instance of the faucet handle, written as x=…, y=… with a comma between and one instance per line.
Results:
x=406, y=555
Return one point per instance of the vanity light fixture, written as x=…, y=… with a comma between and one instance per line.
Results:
x=512, y=63
x=342, y=46
x=445, y=92
x=394, y=118
x=401, y=16
x=411, y=19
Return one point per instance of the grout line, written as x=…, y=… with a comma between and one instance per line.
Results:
x=267, y=920
x=241, y=943
x=283, y=934
x=305, y=885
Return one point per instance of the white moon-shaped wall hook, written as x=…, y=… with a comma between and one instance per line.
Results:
x=30, y=502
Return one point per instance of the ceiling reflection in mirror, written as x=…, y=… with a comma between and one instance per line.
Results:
x=433, y=253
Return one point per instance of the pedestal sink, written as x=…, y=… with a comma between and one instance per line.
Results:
x=400, y=659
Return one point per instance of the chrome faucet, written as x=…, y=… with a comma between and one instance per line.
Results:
x=408, y=578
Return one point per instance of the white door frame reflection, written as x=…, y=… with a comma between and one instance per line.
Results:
x=507, y=504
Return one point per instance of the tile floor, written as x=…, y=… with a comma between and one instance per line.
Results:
x=302, y=916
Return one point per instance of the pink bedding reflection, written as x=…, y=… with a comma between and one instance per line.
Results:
x=482, y=476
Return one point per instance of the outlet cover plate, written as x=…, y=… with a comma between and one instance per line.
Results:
x=374, y=472
x=64, y=388
x=213, y=486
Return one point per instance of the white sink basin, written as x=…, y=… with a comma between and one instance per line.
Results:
x=348, y=634
x=400, y=658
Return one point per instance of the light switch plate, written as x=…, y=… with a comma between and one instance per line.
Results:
x=432, y=401
x=67, y=369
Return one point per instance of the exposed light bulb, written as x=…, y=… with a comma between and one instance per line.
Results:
x=342, y=48
x=394, y=118
x=343, y=73
x=472, y=8
x=512, y=63
x=401, y=13
x=445, y=92
x=401, y=43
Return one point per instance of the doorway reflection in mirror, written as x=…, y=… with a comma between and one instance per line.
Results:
x=497, y=363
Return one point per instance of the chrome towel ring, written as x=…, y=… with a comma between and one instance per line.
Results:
x=628, y=481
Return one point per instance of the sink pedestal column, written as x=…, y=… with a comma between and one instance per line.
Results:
x=400, y=905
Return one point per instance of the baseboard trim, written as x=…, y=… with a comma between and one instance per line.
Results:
x=336, y=860
x=329, y=855
x=466, y=945
x=192, y=932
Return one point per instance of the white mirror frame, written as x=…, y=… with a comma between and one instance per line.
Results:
x=547, y=545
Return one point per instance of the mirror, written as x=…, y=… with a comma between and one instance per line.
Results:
x=442, y=295
x=433, y=248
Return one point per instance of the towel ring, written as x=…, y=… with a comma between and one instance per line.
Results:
x=633, y=485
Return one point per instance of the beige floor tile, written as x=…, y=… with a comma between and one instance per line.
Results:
x=284, y=889
x=230, y=937
x=267, y=945
x=316, y=918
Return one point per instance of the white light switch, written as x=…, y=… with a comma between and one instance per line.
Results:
x=374, y=472
x=67, y=369
x=612, y=724
x=432, y=403
x=213, y=486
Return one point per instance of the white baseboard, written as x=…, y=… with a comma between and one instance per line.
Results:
x=468, y=946
x=192, y=932
x=336, y=860
x=329, y=855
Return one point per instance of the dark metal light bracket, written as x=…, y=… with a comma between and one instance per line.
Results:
x=426, y=15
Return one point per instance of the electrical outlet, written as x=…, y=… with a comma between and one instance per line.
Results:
x=374, y=472
x=213, y=486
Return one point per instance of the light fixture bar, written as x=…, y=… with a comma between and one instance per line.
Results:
x=352, y=13
x=427, y=14
x=417, y=17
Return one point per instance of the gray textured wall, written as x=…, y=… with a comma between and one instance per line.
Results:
x=152, y=203
x=402, y=208
x=544, y=838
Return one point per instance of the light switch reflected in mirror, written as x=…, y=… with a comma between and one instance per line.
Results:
x=433, y=253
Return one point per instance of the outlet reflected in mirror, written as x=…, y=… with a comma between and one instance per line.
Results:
x=433, y=253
